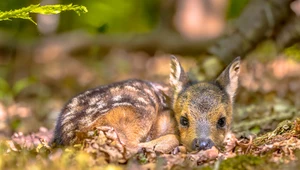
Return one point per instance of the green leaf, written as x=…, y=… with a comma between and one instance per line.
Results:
x=23, y=13
x=255, y=130
x=56, y=9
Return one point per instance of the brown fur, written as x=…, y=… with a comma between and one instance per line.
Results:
x=142, y=116
x=203, y=104
x=136, y=109
x=121, y=118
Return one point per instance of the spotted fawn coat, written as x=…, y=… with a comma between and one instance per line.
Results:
x=197, y=114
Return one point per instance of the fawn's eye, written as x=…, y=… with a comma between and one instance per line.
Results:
x=221, y=122
x=184, y=121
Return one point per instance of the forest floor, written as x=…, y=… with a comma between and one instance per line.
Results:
x=265, y=132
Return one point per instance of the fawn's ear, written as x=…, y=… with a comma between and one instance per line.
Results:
x=228, y=79
x=178, y=78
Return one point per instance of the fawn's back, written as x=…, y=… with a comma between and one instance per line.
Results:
x=130, y=105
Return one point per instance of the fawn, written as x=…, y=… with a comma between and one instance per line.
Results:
x=194, y=114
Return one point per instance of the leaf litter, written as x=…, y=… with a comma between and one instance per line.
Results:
x=102, y=147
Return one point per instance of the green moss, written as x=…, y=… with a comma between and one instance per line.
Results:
x=243, y=162
x=204, y=168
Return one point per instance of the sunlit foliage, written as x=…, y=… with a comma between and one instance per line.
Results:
x=24, y=13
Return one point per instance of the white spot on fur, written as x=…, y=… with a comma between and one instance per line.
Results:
x=88, y=92
x=137, y=84
x=69, y=114
x=115, y=90
x=149, y=92
x=155, y=87
x=86, y=120
x=159, y=87
x=139, y=106
x=121, y=104
x=104, y=110
x=74, y=102
x=101, y=104
x=91, y=110
x=141, y=99
x=93, y=100
x=70, y=134
x=117, y=98
x=68, y=127
x=67, y=118
x=131, y=88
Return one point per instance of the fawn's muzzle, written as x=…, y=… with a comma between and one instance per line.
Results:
x=202, y=144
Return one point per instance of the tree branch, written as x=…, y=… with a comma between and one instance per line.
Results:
x=256, y=23
x=289, y=33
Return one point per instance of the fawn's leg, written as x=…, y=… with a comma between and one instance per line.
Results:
x=163, y=133
x=163, y=144
x=131, y=129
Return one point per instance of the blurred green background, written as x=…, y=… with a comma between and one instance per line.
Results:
x=104, y=16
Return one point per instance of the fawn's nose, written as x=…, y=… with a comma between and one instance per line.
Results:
x=202, y=144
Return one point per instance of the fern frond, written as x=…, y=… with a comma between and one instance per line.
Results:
x=24, y=13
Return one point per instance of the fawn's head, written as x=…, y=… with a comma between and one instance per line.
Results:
x=203, y=110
